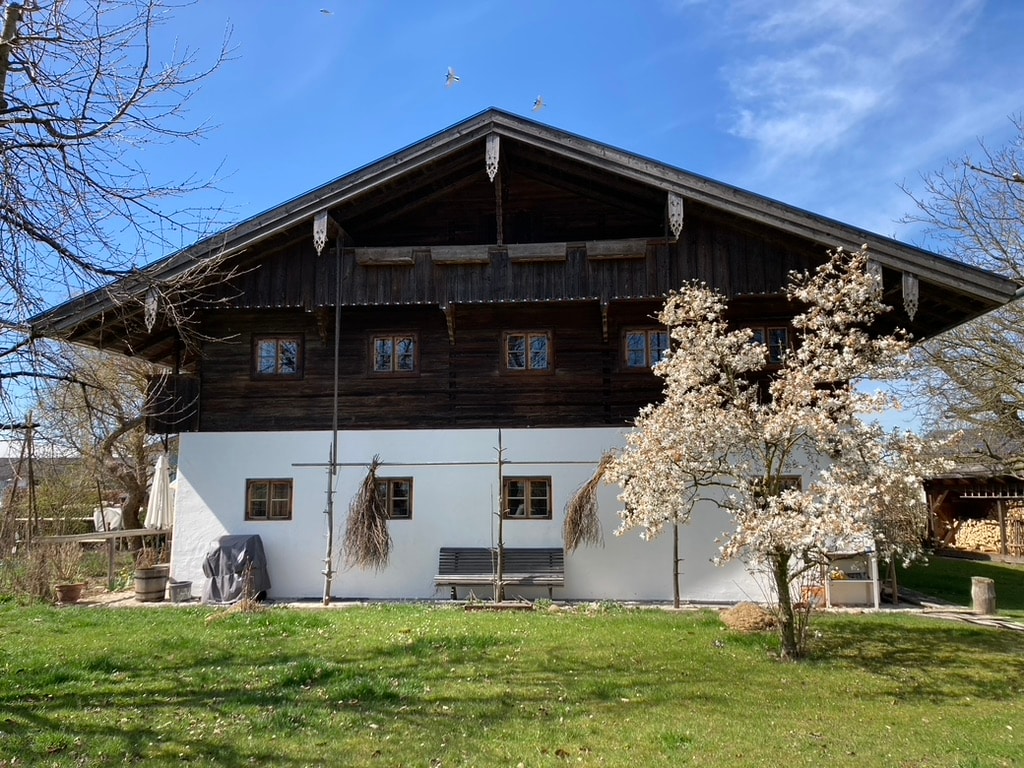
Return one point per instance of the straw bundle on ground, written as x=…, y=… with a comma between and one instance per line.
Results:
x=367, y=539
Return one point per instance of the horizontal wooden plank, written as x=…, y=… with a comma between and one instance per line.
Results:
x=528, y=252
x=461, y=254
x=617, y=249
x=371, y=257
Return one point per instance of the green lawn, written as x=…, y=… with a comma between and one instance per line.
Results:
x=949, y=579
x=437, y=686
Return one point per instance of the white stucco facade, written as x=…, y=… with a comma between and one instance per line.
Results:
x=455, y=497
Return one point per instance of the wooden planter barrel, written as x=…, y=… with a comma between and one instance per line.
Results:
x=151, y=583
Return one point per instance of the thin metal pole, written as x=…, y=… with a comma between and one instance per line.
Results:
x=499, y=586
x=333, y=470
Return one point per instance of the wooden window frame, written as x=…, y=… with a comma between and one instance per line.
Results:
x=527, y=497
x=278, y=339
x=528, y=370
x=647, y=331
x=389, y=495
x=393, y=337
x=270, y=483
x=763, y=336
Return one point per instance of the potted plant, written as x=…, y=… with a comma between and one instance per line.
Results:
x=66, y=561
x=150, y=576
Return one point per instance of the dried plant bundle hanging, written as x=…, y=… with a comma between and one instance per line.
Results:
x=367, y=539
x=582, y=525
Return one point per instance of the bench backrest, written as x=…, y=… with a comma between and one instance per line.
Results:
x=464, y=560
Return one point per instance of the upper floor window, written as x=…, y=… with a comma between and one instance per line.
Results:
x=527, y=498
x=277, y=356
x=268, y=499
x=644, y=347
x=394, y=353
x=777, y=341
x=396, y=494
x=528, y=351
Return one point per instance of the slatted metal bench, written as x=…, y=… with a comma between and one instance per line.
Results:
x=521, y=566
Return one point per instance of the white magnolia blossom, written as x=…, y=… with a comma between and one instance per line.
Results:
x=787, y=451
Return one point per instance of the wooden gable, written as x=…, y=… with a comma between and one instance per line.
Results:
x=499, y=209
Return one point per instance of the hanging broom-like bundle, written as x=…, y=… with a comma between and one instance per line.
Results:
x=367, y=539
x=582, y=525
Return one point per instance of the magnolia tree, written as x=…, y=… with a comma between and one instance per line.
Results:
x=787, y=452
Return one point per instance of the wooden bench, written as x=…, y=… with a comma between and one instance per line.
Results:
x=526, y=567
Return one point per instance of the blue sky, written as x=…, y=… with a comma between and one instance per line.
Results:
x=829, y=105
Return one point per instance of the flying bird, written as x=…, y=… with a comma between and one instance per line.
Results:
x=451, y=78
x=326, y=12
x=538, y=104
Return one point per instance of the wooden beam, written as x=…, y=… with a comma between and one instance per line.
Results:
x=617, y=249
x=461, y=254
x=379, y=257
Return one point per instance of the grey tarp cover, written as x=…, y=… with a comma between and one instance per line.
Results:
x=225, y=565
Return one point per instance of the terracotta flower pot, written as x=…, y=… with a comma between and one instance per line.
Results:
x=69, y=593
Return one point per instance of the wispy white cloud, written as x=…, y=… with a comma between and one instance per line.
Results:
x=806, y=75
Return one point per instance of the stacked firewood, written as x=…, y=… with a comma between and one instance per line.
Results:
x=978, y=535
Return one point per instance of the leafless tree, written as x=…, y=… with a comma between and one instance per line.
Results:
x=97, y=414
x=972, y=377
x=84, y=89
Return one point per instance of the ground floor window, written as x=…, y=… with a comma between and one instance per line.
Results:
x=527, y=498
x=396, y=493
x=268, y=499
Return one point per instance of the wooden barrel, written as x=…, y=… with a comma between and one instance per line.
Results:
x=150, y=584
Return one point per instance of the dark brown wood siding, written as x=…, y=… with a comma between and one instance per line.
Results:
x=460, y=384
x=737, y=258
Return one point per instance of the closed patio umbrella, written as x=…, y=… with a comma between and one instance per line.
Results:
x=159, y=510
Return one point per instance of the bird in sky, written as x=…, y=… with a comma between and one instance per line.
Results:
x=451, y=78
x=538, y=104
x=326, y=12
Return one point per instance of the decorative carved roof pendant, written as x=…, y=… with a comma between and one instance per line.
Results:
x=675, y=214
x=320, y=231
x=910, y=294
x=491, y=155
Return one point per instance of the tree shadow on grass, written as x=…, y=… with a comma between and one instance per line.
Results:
x=926, y=659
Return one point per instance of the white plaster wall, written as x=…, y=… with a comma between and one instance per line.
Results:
x=453, y=505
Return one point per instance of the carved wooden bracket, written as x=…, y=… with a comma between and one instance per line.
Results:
x=675, y=213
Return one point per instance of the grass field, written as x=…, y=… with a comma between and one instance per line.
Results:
x=949, y=579
x=438, y=686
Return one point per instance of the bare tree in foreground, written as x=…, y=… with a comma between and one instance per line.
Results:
x=972, y=377
x=84, y=89
x=99, y=417
x=801, y=471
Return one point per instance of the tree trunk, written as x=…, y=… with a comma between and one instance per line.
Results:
x=787, y=620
